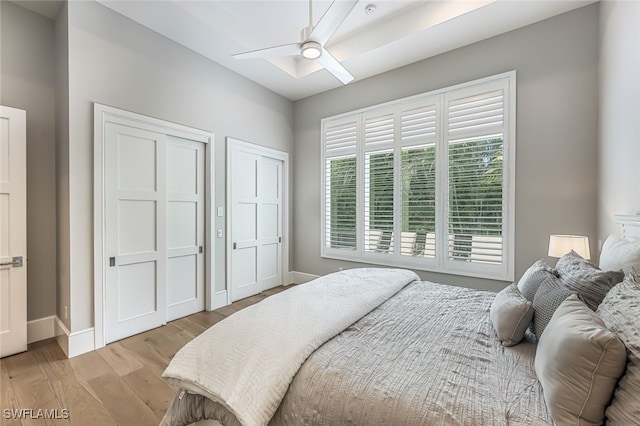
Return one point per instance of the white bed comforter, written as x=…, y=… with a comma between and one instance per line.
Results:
x=247, y=361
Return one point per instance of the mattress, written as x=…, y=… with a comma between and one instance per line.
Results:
x=426, y=356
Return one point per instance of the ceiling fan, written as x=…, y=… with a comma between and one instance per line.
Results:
x=313, y=41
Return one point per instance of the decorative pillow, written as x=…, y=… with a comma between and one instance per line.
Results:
x=549, y=296
x=578, y=362
x=510, y=314
x=583, y=278
x=620, y=312
x=533, y=277
x=618, y=253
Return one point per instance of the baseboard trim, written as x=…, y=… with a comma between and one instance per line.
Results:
x=219, y=299
x=41, y=329
x=296, y=277
x=76, y=343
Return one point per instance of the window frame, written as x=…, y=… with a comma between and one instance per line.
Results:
x=441, y=263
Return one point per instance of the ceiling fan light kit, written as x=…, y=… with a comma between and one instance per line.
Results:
x=311, y=50
x=314, y=39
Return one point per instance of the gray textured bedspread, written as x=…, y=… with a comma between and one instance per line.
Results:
x=427, y=356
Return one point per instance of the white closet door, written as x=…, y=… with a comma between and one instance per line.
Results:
x=13, y=231
x=185, y=227
x=135, y=231
x=270, y=222
x=244, y=224
x=256, y=198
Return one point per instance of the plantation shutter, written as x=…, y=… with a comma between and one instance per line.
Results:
x=418, y=149
x=425, y=182
x=476, y=203
x=340, y=171
x=379, y=206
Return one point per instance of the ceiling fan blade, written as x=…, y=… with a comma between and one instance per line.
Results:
x=331, y=20
x=332, y=65
x=270, y=52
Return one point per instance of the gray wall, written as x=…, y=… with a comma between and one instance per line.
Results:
x=557, y=110
x=27, y=81
x=62, y=163
x=117, y=62
x=619, y=189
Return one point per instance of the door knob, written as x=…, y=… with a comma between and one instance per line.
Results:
x=16, y=262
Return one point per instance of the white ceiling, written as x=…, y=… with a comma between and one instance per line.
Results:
x=398, y=32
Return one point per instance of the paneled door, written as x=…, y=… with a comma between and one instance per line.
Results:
x=155, y=215
x=185, y=227
x=13, y=231
x=256, y=200
x=135, y=221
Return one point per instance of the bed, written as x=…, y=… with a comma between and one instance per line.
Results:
x=424, y=354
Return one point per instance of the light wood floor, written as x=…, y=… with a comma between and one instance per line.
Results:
x=119, y=384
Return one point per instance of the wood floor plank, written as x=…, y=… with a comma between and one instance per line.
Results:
x=153, y=391
x=207, y=319
x=122, y=403
x=146, y=353
x=90, y=365
x=227, y=310
x=120, y=359
x=168, y=340
x=188, y=326
x=8, y=398
x=32, y=388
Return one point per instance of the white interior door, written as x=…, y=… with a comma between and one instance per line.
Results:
x=244, y=224
x=185, y=227
x=135, y=220
x=256, y=199
x=270, y=222
x=13, y=231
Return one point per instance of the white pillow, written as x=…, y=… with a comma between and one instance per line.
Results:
x=511, y=313
x=578, y=363
x=618, y=253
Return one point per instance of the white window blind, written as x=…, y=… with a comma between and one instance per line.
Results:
x=379, y=135
x=340, y=144
x=475, y=135
x=418, y=168
x=425, y=182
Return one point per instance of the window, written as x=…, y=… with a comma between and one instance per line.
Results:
x=425, y=182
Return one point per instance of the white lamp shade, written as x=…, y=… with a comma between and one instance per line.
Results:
x=559, y=245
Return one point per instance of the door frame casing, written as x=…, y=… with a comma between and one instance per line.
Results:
x=233, y=143
x=103, y=114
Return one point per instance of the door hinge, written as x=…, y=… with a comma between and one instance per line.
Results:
x=200, y=250
x=16, y=262
x=112, y=261
x=235, y=246
x=279, y=239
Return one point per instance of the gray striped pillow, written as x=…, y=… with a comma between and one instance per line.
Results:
x=551, y=293
x=590, y=282
x=533, y=277
x=620, y=311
